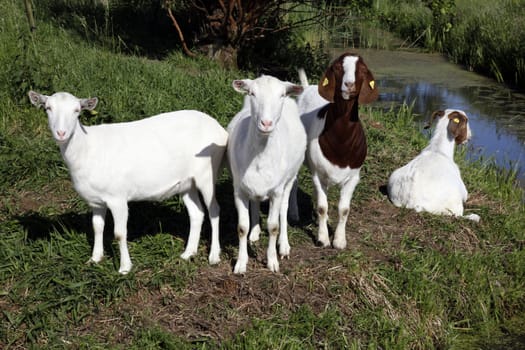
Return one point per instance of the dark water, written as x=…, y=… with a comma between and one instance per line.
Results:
x=496, y=113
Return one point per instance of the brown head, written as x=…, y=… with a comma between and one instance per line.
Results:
x=457, y=124
x=348, y=77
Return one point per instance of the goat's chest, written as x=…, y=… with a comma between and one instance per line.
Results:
x=343, y=143
x=262, y=177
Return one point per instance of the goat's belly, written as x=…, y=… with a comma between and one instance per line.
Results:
x=260, y=186
x=329, y=174
x=97, y=193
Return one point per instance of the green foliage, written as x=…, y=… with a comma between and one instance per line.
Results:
x=486, y=36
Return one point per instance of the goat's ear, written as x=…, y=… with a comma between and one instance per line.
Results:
x=434, y=115
x=293, y=90
x=369, y=92
x=37, y=99
x=326, y=86
x=88, y=103
x=241, y=86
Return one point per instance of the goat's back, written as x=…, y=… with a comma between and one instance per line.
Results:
x=152, y=158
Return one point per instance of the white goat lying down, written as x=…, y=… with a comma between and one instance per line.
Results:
x=431, y=181
x=336, y=140
x=265, y=149
x=150, y=159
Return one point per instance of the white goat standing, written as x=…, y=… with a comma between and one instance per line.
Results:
x=265, y=150
x=432, y=181
x=336, y=140
x=150, y=159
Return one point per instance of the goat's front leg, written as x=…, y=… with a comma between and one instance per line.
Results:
x=242, y=205
x=273, y=230
x=322, y=211
x=347, y=191
x=196, y=213
x=98, y=221
x=119, y=210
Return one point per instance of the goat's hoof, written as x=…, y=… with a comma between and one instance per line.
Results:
x=339, y=244
x=323, y=244
x=92, y=261
x=273, y=265
x=214, y=259
x=125, y=270
x=473, y=217
x=187, y=255
x=284, y=252
x=239, y=268
x=254, y=236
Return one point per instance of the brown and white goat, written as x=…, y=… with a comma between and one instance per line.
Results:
x=336, y=139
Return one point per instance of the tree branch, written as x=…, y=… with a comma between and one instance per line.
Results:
x=181, y=36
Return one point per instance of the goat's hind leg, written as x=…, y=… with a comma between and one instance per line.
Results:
x=322, y=211
x=119, y=210
x=208, y=194
x=98, y=221
x=196, y=213
x=255, y=226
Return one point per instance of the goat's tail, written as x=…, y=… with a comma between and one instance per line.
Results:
x=302, y=77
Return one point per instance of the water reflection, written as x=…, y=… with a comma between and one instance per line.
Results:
x=497, y=114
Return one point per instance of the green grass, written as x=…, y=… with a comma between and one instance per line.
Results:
x=406, y=280
x=486, y=36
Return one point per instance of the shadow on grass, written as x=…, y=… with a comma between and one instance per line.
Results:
x=150, y=218
x=145, y=218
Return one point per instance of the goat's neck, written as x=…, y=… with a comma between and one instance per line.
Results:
x=442, y=142
x=346, y=110
x=342, y=140
x=73, y=151
x=258, y=141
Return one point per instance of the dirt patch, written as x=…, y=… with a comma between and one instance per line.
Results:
x=217, y=304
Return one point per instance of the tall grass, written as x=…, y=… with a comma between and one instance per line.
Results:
x=407, y=281
x=485, y=36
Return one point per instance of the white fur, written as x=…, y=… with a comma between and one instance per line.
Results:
x=432, y=181
x=265, y=150
x=324, y=173
x=149, y=159
x=349, y=66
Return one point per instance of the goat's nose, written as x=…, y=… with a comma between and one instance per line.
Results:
x=350, y=86
x=61, y=133
x=266, y=123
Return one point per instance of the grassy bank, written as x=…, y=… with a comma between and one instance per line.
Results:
x=406, y=281
x=485, y=36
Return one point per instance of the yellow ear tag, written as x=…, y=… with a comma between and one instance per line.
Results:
x=325, y=81
x=372, y=84
x=456, y=120
x=93, y=112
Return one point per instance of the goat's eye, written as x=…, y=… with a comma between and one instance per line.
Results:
x=77, y=110
x=251, y=93
x=48, y=108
